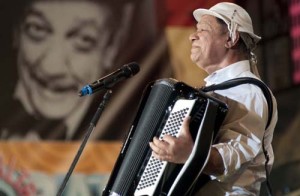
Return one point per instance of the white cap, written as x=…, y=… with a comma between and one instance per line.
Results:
x=236, y=18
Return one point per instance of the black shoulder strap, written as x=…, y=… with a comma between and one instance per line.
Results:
x=245, y=80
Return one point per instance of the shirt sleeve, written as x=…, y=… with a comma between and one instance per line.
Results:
x=239, y=138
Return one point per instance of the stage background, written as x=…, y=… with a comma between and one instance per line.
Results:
x=156, y=36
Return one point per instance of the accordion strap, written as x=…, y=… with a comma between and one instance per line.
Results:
x=245, y=80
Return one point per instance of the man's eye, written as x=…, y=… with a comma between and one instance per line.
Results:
x=85, y=43
x=37, y=32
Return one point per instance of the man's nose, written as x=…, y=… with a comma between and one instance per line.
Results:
x=193, y=37
x=54, y=60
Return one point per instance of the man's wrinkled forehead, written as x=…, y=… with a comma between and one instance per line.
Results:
x=210, y=21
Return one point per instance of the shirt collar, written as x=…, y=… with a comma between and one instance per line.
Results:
x=227, y=73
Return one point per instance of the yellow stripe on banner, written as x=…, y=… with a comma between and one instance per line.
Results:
x=56, y=157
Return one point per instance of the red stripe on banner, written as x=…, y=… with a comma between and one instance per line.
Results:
x=296, y=76
x=295, y=9
x=180, y=12
x=295, y=31
x=296, y=54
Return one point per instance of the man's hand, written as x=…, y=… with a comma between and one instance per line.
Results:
x=172, y=149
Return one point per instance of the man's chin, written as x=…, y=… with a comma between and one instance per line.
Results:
x=55, y=108
x=194, y=57
x=54, y=113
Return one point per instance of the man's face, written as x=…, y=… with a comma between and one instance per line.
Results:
x=208, y=43
x=59, y=52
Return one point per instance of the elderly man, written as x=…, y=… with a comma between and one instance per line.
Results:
x=222, y=45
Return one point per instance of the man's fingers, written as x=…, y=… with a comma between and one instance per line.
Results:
x=158, y=153
x=157, y=156
x=160, y=143
x=173, y=149
x=170, y=140
x=154, y=148
x=158, y=146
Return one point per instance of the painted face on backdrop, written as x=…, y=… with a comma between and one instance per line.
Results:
x=59, y=51
x=208, y=43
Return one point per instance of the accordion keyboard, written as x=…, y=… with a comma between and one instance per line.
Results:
x=154, y=168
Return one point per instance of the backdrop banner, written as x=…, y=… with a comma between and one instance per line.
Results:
x=49, y=51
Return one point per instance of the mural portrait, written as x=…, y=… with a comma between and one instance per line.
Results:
x=49, y=50
x=60, y=46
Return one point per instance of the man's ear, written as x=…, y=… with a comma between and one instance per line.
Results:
x=232, y=40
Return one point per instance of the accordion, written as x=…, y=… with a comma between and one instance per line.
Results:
x=164, y=105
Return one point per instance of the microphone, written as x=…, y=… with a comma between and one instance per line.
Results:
x=126, y=71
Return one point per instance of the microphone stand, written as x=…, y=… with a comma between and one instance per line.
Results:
x=93, y=123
